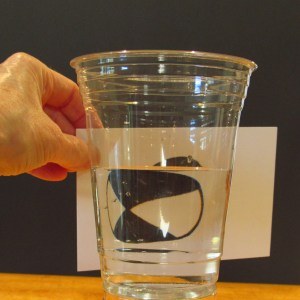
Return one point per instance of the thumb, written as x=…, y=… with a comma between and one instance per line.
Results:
x=72, y=155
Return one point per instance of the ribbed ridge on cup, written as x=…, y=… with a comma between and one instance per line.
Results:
x=163, y=72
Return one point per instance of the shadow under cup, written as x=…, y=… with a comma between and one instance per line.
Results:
x=162, y=128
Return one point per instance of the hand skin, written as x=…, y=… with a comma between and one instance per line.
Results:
x=40, y=110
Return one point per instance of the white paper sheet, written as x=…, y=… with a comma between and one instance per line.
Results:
x=249, y=217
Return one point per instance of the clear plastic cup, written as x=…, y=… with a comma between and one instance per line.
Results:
x=162, y=130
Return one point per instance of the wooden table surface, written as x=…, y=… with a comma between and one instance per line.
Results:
x=44, y=287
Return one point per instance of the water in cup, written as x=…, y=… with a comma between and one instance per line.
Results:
x=161, y=210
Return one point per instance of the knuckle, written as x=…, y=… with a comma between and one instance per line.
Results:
x=21, y=56
x=23, y=60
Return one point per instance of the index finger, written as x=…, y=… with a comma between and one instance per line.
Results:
x=63, y=94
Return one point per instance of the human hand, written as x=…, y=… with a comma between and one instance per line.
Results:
x=40, y=110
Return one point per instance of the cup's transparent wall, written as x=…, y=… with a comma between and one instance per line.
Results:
x=162, y=128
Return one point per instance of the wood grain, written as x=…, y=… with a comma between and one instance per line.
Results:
x=46, y=287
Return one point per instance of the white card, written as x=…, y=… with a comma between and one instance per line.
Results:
x=249, y=217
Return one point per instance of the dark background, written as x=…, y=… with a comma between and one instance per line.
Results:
x=38, y=219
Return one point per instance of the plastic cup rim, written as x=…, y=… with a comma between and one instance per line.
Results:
x=75, y=62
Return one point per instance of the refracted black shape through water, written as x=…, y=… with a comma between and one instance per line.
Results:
x=134, y=187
